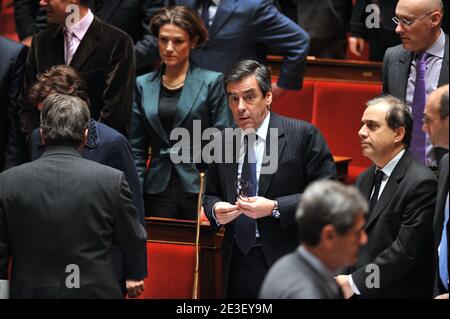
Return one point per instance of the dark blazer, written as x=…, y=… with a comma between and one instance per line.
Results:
x=105, y=60
x=399, y=232
x=303, y=157
x=244, y=29
x=439, y=219
x=13, y=150
x=64, y=210
x=202, y=98
x=130, y=16
x=293, y=277
x=396, y=66
x=108, y=147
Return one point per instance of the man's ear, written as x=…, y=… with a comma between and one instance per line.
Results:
x=42, y=136
x=399, y=134
x=269, y=97
x=436, y=18
x=327, y=236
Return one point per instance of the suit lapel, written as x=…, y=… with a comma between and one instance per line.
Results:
x=88, y=45
x=404, y=68
x=443, y=77
x=264, y=179
x=224, y=11
x=390, y=188
x=150, y=98
x=55, y=49
x=189, y=94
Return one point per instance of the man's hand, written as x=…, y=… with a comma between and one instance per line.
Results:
x=343, y=282
x=443, y=296
x=225, y=212
x=27, y=41
x=276, y=90
x=255, y=207
x=134, y=287
x=356, y=45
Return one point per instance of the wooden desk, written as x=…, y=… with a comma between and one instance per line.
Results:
x=342, y=166
x=166, y=230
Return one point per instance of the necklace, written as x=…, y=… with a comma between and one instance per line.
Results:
x=172, y=86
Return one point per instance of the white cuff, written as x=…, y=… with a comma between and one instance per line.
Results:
x=352, y=285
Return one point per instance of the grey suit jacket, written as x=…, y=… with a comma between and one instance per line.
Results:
x=396, y=65
x=293, y=277
x=62, y=210
x=439, y=218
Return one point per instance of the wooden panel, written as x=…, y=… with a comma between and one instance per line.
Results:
x=335, y=70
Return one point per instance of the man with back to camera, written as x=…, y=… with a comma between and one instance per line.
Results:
x=61, y=214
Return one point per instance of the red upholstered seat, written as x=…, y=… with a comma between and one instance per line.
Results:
x=170, y=271
x=7, y=22
x=296, y=104
x=337, y=112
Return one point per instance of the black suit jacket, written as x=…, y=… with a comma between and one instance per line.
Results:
x=303, y=157
x=12, y=64
x=439, y=219
x=62, y=210
x=105, y=60
x=399, y=232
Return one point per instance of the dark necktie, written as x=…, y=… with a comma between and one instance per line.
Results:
x=205, y=12
x=418, y=142
x=377, y=184
x=245, y=228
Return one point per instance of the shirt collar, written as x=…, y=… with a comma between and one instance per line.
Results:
x=315, y=262
x=261, y=131
x=389, y=167
x=438, y=47
x=82, y=26
x=216, y=2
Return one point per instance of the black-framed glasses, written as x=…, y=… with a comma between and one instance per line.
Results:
x=408, y=22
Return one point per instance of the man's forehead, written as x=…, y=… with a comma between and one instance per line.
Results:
x=376, y=111
x=247, y=84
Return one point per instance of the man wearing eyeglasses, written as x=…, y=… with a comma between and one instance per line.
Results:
x=412, y=70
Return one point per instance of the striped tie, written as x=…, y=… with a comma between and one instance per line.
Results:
x=70, y=45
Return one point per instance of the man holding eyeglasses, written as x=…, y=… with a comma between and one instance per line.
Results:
x=418, y=66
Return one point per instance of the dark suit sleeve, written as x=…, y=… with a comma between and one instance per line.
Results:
x=357, y=22
x=274, y=29
x=385, y=71
x=213, y=193
x=16, y=149
x=146, y=49
x=129, y=233
x=4, y=249
x=138, y=136
x=118, y=94
x=318, y=164
x=28, y=114
x=409, y=248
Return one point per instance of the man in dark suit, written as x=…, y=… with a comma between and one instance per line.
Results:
x=435, y=123
x=105, y=146
x=59, y=226
x=130, y=16
x=260, y=229
x=12, y=144
x=244, y=29
x=330, y=221
x=101, y=53
x=425, y=52
x=397, y=261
